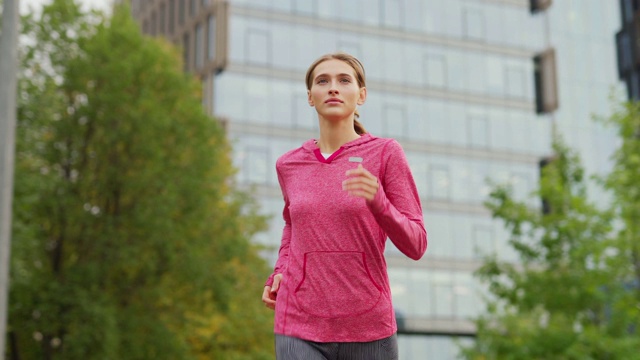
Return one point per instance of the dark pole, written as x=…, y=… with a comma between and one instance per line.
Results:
x=8, y=85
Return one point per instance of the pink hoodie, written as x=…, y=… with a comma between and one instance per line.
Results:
x=335, y=286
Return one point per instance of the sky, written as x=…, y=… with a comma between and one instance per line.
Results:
x=89, y=4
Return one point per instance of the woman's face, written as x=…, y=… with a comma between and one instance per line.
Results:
x=335, y=92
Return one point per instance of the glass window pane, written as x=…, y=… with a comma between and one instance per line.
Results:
x=392, y=13
x=516, y=82
x=478, y=133
x=435, y=70
x=474, y=27
x=258, y=47
x=256, y=165
x=394, y=121
x=440, y=182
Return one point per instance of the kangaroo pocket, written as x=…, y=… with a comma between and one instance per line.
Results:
x=336, y=284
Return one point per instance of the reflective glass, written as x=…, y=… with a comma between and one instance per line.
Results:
x=392, y=13
x=435, y=70
x=280, y=100
x=434, y=22
x=394, y=120
x=440, y=183
x=484, y=242
x=306, y=7
x=413, y=15
x=258, y=47
x=495, y=75
x=442, y=298
x=237, y=44
x=494, y=25
x=351, y=10
x=474, y=24
x=478, y=131
x=438, y=128
x=282, y=46
x=281, y=5
x=258, y=107
x=229, y=96
x=420, y=293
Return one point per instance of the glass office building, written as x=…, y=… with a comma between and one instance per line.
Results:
x=472, y=89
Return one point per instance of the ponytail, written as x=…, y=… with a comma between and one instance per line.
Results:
x=357, y=126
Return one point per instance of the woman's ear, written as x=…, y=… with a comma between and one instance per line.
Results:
x=309, y=98
x=363, y=96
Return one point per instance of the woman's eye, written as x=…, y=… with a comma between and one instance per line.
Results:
x=321, y=81
x=345, y=80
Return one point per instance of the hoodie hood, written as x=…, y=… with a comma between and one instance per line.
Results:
x=311, y=146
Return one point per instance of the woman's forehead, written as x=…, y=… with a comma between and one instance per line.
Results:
x=333, y=67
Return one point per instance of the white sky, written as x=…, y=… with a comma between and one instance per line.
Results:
x=89, y=4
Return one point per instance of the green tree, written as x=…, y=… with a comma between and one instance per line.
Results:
x=575, y=292
x=130, y=240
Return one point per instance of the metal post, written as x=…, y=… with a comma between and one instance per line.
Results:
x=8, y=89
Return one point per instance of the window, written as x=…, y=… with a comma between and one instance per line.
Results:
x=258, y=47
x=439, y=182
x=442, y=299
x=307, y=7
x=474, y=24
x=392, y=13
x=478, y=131
x=515, y=83
x=483, y=241
x=192, y=7
x=349, y=47
x=211, y=37
x=199, y=47
x=256, y=165
x=520, y=184
x=466, y=304
x=394, y=121
x=257, y=101
x=545, y=81
x=495, y=75
x=303, y=114
x=435, y=70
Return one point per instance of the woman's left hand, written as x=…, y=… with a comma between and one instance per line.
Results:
x=361, y=183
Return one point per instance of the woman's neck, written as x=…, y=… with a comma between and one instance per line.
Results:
x=335, y=134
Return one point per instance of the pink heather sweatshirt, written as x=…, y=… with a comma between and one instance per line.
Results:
x=335, y=286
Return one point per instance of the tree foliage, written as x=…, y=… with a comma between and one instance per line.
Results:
x=575, y=292
x=130, y=240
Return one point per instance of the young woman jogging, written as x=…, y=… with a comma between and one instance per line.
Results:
x=344, y=193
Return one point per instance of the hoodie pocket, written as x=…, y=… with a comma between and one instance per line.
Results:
x=336, y=284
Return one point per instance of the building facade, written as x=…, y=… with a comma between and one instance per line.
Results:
x=472, y=89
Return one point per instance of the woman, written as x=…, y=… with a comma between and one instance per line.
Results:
x=344, y=194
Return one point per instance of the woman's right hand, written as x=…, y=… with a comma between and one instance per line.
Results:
x=271, y=292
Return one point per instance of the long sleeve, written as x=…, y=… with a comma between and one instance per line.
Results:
x=283, y=253
x=396, y=206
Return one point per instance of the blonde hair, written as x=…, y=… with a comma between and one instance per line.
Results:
x=360, y=77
